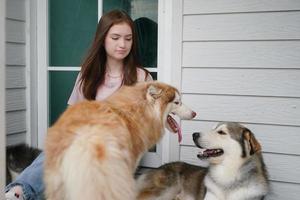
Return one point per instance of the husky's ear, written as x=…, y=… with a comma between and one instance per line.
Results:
x=251, y=141
x=154, y=92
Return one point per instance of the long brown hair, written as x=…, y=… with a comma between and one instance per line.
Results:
x=93, y=67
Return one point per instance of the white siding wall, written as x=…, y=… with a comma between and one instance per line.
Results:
x=16, y=87
x=2, y=97
x=241, y=62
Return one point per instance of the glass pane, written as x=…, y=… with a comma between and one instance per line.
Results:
x=154, y=75
x=116, y=4
x=71, y=29
x=60, y=88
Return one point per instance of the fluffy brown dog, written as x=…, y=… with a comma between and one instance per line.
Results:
x=93, y=149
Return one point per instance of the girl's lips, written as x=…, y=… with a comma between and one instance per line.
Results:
x=121, y=51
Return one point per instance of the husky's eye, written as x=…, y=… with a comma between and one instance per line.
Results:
x=176, y=102
x=221, y=132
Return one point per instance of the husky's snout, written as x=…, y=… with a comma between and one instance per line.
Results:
x=196, y=135
x=184, y=112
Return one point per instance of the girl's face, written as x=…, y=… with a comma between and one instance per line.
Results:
x=118, y=41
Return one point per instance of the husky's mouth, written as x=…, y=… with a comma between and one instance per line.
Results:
x=207, y=153
x=173, y=126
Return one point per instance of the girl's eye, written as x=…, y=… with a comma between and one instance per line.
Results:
x=221, y=132
x=114, y=38
x=128, y=39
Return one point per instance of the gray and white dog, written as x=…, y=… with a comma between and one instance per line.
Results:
x=236, y=170
x=18, y=157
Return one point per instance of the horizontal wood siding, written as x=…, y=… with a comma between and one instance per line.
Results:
x=248, y=109
x=16, y=138
x=240, y=62
x=242, y=54
x=15, y=31
x=232, y=6
x=262, y=82
x=15, y=77
x=15, y=99
x=16, y=122
x=15, y=9
x=15, y=54
x=280, y=190
x=242, y=26
x=16, y=85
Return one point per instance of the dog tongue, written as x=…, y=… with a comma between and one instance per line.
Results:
x=175, y=127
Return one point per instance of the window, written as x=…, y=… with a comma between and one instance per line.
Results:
x=72, y=24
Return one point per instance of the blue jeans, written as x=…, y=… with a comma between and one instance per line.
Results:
x=31, y=180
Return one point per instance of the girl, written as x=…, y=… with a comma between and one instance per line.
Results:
x=110, y=63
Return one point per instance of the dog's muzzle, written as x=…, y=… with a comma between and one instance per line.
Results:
x=205, y=153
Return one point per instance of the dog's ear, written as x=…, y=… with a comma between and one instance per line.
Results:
x=251, y=141
x=154, y=92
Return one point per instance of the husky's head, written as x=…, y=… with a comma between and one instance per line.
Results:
x=167, y=101
x=226, y=140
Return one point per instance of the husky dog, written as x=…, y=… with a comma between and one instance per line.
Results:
x=236, y=170
x=18, y=157
x=93, y=149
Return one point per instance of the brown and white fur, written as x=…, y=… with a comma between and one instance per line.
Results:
x=93, y=149
x=236, y=170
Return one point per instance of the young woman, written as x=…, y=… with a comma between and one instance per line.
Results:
x=110, y=63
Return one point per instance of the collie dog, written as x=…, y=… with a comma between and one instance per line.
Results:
x=93, y=149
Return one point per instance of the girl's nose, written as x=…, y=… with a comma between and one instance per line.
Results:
x=122, y=43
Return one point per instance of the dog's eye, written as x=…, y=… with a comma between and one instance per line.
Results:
x=176, y=102
x=221, y=132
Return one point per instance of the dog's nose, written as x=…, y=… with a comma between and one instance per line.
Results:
x=194, y=114
x=196, y=135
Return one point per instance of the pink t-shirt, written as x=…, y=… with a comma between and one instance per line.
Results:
x=110, y=85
